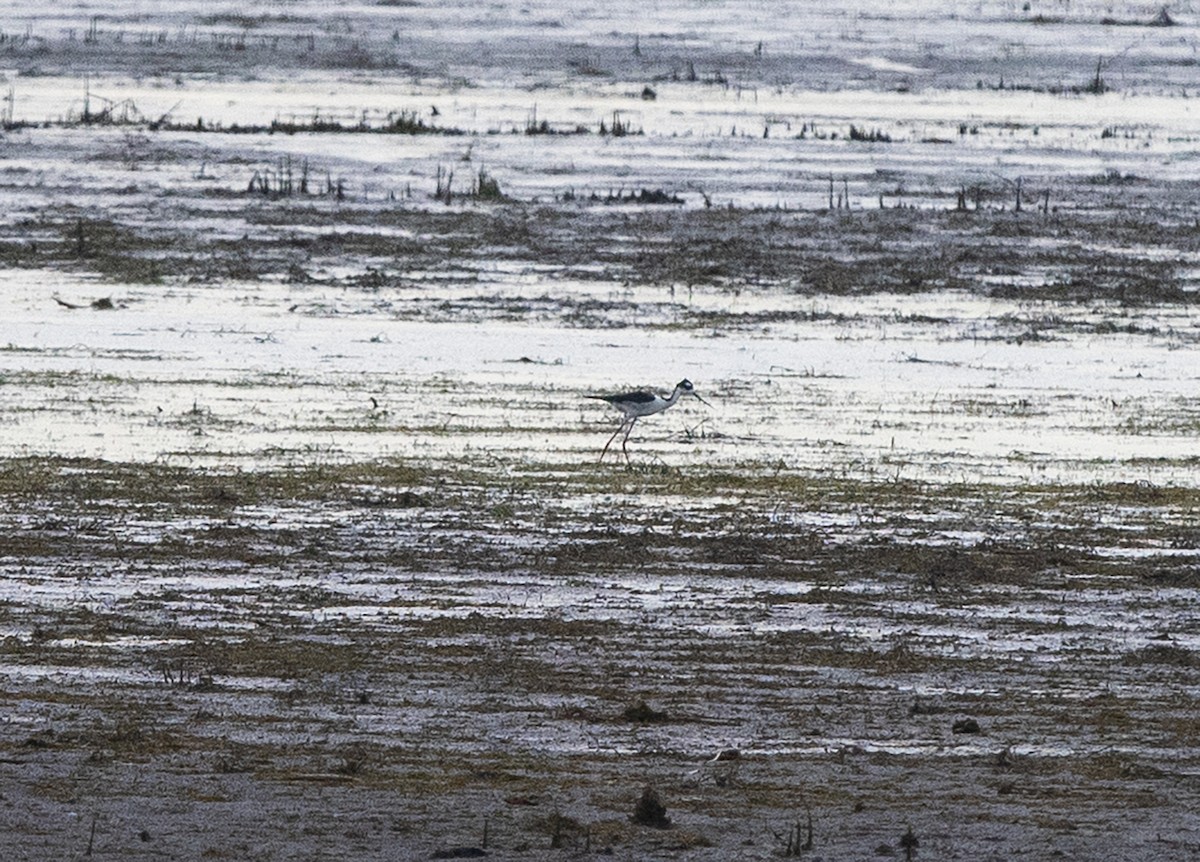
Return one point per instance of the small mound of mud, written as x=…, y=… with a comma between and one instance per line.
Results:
x=650, y=811
x=642, y=713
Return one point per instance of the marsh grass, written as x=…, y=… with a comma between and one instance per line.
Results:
x=104, y=484
x=115, y=251
x=719, y=247
x=294, y=658
x=747, y=531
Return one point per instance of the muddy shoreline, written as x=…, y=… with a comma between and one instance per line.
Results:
x=388, y=664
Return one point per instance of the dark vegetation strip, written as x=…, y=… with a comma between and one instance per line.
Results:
x=810, y=253
x=401, y=516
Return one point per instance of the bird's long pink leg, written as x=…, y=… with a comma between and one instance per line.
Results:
x=612, y=438
x=628, y=431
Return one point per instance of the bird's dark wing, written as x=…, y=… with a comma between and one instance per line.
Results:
x=626, y=398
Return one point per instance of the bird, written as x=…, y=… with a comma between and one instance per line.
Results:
x=635, y=405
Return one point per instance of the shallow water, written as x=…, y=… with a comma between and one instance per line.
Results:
x=930, y=388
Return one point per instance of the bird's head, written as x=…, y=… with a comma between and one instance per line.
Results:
x=685, y=387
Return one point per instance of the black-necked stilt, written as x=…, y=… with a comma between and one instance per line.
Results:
x=635, y=405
